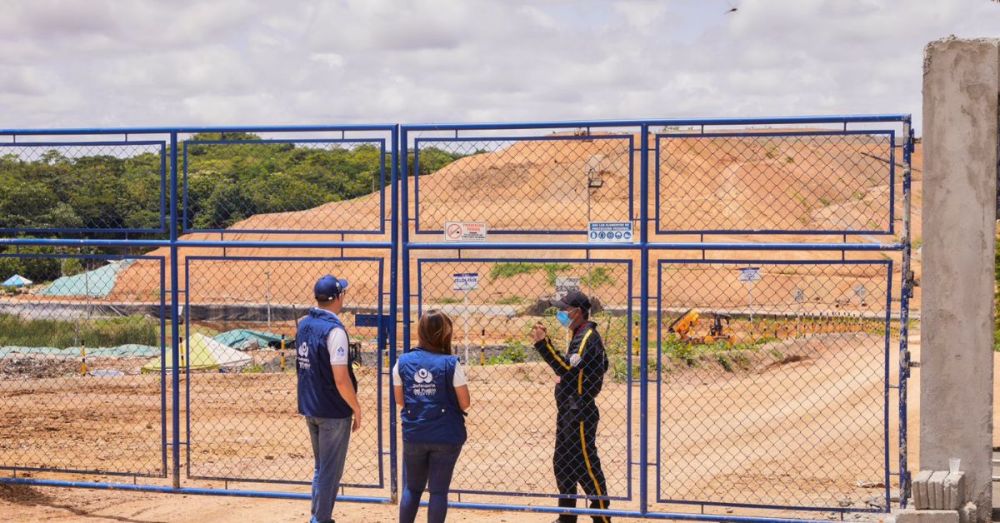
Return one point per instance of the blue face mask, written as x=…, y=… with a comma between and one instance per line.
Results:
x=563, y=318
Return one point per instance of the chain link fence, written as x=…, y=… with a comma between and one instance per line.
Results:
x=248, y=183
x=75, y=389
x=766, y=384
x=551, y=184
x=773, y=383
x=792, y=182
x=512, y=424
x=83, y=186
x=241, y=413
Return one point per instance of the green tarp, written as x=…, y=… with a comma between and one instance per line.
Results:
x=239, y=338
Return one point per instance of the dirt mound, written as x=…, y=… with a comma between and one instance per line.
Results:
x=545, y=185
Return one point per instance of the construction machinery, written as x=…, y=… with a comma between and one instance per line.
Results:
x=684, y=327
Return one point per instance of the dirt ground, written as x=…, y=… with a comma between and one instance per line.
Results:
x=802, y=428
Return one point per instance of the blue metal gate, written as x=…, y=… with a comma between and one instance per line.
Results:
x=783, y=235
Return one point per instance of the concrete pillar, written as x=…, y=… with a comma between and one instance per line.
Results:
x=961, y=90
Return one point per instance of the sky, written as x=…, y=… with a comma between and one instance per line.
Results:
x=104, y=63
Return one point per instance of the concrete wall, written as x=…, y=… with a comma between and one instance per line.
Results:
x=961, y=90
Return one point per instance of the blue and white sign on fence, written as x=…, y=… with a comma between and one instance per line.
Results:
x=610, y=232
x=465, y=281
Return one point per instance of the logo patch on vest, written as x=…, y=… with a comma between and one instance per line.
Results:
x=303, y=353
x=424, y=383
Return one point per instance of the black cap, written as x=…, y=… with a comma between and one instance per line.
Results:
x=573, y=299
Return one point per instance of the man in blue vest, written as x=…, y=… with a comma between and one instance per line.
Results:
x=327, y=391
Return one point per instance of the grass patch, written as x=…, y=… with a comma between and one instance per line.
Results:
x=513, y=352
x=598, y=276
x=448, y=301
x=111, y=332
x=511, y=269
x=510, y=300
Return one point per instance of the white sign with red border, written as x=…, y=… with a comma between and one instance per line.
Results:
x=465, y=231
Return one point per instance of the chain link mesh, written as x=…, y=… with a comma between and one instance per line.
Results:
x=87, y=186
x=512, y=421
x=243, y=418
x=788, y=182
x=73, y=390
x=286, y=186
x=526, y=184
x=784, y=406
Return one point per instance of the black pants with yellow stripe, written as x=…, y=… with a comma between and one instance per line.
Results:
x=575, y=462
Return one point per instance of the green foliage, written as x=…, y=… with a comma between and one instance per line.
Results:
x=35, y=269
x=225, y=182
x=598, y=276
x=511, y=269
x=432, y=159
x=18, y=331
x=71, y=266
x=254, y=368
x=510, y=300
x=513, y=352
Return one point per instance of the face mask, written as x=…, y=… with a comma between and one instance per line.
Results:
x=563, y=318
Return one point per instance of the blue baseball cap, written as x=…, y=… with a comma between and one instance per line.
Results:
x=329, y=288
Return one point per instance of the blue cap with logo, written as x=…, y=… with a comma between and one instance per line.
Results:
x=329, y=288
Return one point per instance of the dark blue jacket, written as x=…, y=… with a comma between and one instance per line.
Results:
x=430, y=411
x=318, y=395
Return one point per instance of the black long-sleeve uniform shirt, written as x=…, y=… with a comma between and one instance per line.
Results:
x=579, y=384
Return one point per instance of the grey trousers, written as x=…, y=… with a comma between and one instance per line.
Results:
x=330, y=437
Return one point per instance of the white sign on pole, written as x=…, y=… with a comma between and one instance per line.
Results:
x=465, y=231
x=609, y=232
x=564, y=284
x=465, y=281
x=750, y=274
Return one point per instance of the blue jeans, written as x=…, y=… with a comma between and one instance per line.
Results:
x=430, y=465
x=329, y=437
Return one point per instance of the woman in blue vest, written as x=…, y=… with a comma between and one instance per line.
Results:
x=430, y=386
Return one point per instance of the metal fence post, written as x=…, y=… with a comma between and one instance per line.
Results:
x=644, y=319
x=174, y=328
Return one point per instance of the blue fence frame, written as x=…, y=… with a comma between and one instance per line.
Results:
x=162, y=310
x=360, y=141
x=891, y=181
x=382, y=344
x=108, y=230
x=630, y=377
x=402, y=250
x=886, y=473
x=416, y=168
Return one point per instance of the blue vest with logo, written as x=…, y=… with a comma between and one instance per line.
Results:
x=318, y=395
x=430, y=411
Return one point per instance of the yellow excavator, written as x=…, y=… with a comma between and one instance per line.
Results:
x=683, y=327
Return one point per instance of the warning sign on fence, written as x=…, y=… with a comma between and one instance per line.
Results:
x=750, y=274
x=465, y=231
x=465, y=281
x=610, y=232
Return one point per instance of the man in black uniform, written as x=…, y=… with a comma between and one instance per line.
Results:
x=581, y=376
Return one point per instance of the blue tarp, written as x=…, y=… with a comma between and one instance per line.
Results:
x=16, y=281
x=97, y=283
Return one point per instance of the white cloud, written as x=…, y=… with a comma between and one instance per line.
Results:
x=232, y=62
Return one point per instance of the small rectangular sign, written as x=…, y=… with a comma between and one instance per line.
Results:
x=609, y=232
x=465, y=281
x=750, y=274
x=465, y=231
